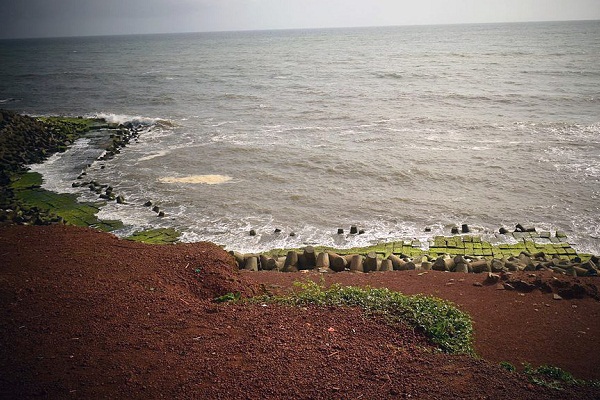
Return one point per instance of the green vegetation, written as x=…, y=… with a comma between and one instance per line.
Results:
x=228, y=297
x=442, y=322
x=508, y=366
x=550, y=376
x=27, y=192
x=72, y=127
x=156, y=236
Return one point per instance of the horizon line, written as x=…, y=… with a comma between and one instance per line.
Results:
x=289, y=29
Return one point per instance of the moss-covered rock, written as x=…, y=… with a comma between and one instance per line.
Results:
x=156, y=236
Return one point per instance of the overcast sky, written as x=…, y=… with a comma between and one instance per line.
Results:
x=43, y=18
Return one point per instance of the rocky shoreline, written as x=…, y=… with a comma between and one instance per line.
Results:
x=26, y=140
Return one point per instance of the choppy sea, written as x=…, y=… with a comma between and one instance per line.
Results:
x=391, y=129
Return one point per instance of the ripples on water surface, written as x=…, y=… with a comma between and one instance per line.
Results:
x=393, y=129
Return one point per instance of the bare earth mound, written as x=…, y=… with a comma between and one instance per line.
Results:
x=86, y=315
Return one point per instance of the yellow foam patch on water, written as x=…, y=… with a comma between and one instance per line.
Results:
x=206, y=179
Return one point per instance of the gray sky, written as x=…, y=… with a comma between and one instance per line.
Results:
x=43, y=18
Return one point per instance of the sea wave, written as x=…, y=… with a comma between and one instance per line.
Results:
x=136, y=120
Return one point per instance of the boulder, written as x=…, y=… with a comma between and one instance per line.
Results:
x=310, y=257
x=239, y=259
x=397, y=263
x=267, y=263
x=291, y=262
x=336, y=262
x=410, y=266
x=386, y=265
x=497, y=265
x=251, y=264
x=357, y=264
x=323, y=260
x=370, y=262
x=462, y=267
x=439, y=264
x=479, y=266
x=523, y=286
x=521, y=228
x=491, y=279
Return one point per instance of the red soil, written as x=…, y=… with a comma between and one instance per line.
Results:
x=86, y=315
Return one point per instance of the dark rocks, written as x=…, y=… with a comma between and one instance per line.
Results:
x=521, y=228
x=336, y=262
x=353, y=230
x=386, y=265
x=291, y=262
x=251, y=264
x=310, y=257
x=340, y=231
x=323, y=260
x=465, y=228
x=523, y=286
x=491, y=279
x=252, y=232
x=398, y=263
x=357, y=263
x=148, y=204
x=370, y=262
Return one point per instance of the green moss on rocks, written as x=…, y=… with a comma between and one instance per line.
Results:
x=455, y=246
x=156, y=236
x=28, y=193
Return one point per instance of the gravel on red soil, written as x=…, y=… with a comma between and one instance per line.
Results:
x=84, y=314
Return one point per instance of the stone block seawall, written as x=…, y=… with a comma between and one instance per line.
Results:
x=532, y=251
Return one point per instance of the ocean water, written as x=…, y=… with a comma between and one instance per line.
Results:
x=391, y=129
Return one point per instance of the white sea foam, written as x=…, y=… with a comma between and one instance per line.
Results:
x=205, y=179
x=136, y=120
x=154, y=155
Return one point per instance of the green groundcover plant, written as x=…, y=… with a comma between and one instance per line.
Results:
x=449, y=328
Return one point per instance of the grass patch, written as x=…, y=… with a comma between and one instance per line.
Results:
x=447, y=327
x=554, y=377
x=156, y=236
x=508, y=366
x=551, y=377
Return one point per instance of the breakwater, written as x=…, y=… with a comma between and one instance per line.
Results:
x=529, y=251
x=26, y=140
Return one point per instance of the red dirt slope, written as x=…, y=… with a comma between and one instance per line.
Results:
x=85, y=315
